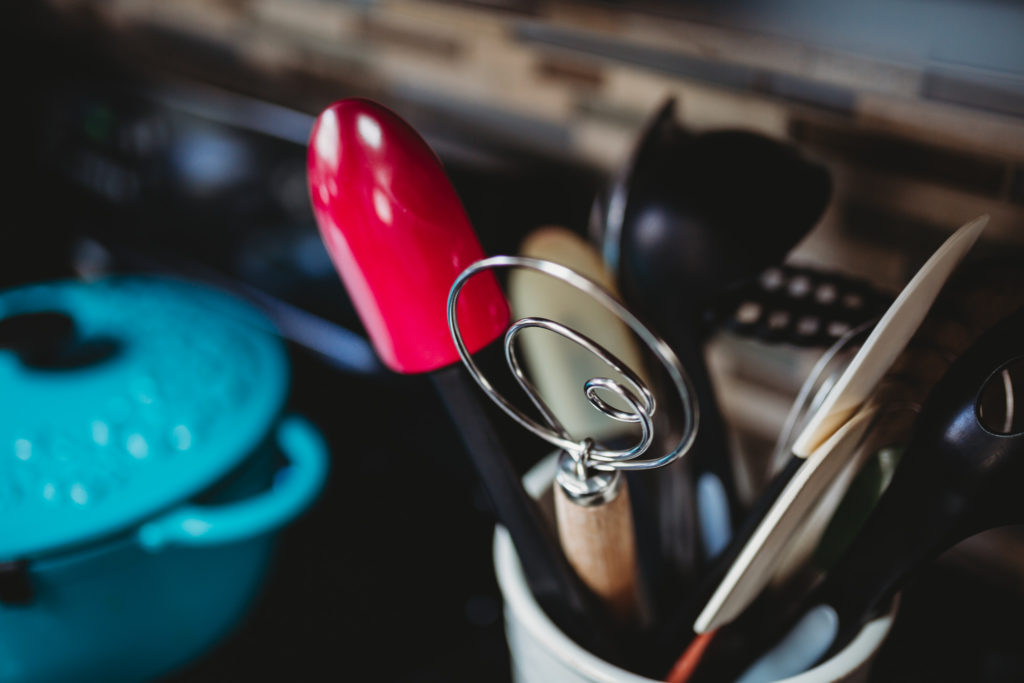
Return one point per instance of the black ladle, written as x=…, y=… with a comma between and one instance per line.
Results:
x=961, y=474
x=703, y=212
x=692, y=216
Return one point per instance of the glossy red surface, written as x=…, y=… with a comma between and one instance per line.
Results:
x=398, y=236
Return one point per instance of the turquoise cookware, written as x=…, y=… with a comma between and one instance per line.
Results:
x=144, y=468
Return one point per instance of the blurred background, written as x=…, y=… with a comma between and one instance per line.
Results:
x=155, y=137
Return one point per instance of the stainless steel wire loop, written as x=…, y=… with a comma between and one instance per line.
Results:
x=642, y=409
x=815, y=388
x=637, y=395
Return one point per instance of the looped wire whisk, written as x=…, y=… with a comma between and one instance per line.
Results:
x=588, y=469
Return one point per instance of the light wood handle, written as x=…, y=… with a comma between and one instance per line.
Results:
x=600, y=544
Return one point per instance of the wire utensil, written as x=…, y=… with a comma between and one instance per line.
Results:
x=638, y=395
x=595, y=525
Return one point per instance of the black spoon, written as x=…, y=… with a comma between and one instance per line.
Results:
x=703, y=212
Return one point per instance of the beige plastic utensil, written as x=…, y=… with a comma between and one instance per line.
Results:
x=888, y=339
x=753, y=568
x=557, y=367
x=900, y=393
x=798, y=550
x=827, y=436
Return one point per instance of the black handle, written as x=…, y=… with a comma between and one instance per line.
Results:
x=48, y=340
x=36, y=337
x=554, y=584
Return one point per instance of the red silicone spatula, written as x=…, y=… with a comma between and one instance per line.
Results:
x=399, y=238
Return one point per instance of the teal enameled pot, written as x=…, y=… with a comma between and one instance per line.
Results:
x=145, y=466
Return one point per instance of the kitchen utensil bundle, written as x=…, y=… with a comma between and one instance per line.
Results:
x=831, y=426
x=428, y=298
x=959, y=475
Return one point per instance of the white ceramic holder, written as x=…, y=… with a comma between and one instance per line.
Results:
x=541, y=653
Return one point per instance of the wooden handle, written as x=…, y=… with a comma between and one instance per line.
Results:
x=599, y=542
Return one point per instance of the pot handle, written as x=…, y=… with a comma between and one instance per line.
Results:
x=294, y=488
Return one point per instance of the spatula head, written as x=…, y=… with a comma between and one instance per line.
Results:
x=398, y=236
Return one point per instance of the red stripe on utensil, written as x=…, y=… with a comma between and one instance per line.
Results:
x=687, y=663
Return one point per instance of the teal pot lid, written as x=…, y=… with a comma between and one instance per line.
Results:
x=160, y=389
